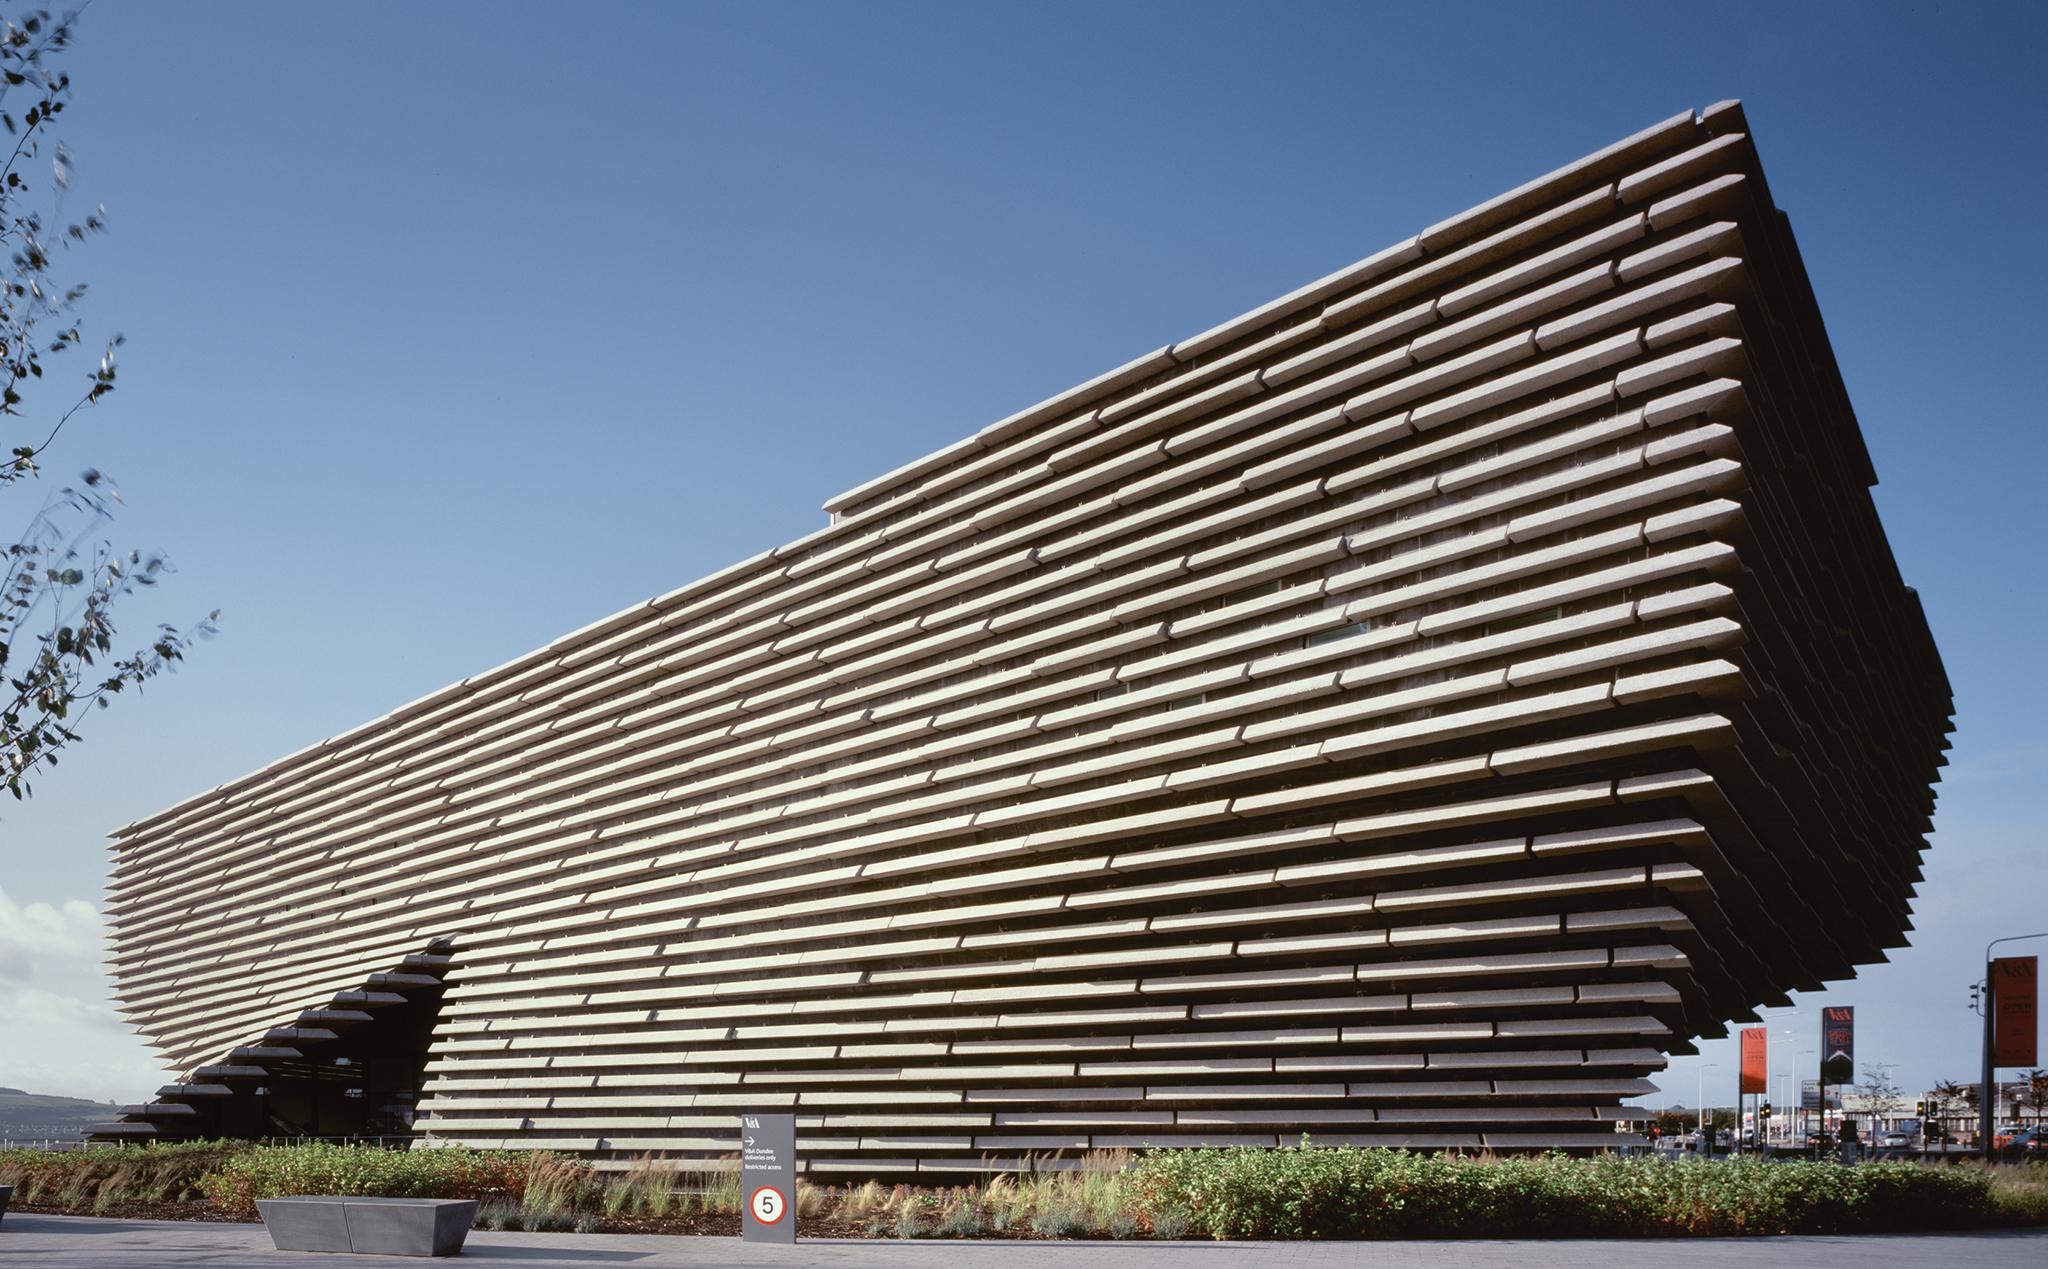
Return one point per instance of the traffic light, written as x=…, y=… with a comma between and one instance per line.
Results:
x=1764, y=1112
x=1919, y=1110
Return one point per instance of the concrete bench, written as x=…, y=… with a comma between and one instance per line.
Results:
x=378, y=1226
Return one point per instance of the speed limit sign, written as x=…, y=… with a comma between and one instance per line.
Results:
x=768, y=1177
x=768, y=1205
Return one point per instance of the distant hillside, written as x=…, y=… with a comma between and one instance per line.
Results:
x=33, y=1116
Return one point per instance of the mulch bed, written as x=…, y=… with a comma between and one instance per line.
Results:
x=138, y=1210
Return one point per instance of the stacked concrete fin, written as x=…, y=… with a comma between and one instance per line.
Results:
x=1403, y=713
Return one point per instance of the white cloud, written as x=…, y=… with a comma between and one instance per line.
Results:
x=58, y=1030
x=71, y=932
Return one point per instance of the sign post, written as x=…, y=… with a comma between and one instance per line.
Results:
x=1755, y=1078
x=1837, y=1059
x=768, y=1178
x=2002, y=974
x=2010, y=1026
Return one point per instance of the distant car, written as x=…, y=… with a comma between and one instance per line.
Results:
x=2003, y=1137
x=1895, y=1141
x=2035, y=1138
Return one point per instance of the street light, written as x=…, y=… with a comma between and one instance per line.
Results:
x=1781, y=1127
x=1703, y=1148
x=1885, y=1070
x=1796, y=1068
x=1987, y=1092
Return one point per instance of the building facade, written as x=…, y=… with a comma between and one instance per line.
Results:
x=1401, y=714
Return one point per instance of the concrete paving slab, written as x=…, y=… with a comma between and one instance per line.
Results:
x=79, y=1242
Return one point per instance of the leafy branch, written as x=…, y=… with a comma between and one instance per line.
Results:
x=60, y=581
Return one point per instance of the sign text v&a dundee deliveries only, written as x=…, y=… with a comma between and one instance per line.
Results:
x=768, y=1178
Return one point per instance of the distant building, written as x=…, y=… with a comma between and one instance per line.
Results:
x=1958, y=1116
x=1398, y=714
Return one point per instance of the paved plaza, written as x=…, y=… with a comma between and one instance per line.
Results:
x=82, y=1242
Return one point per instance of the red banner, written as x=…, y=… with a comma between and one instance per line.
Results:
x=1755, y=1067
x=2015, y=1026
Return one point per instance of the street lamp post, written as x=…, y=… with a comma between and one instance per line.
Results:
x=1764, y=1127
x=1797, y=1067
x=1705, y=1147
x=1885, y=1070
x=1987, y=1092
x=1781, y=1126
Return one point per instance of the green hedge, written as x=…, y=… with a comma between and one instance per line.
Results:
x=315, y=1168
x=1344, y=1192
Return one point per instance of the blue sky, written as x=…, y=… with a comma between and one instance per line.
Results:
x=452, y=328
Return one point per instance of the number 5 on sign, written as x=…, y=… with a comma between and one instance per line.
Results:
x=768, y=1205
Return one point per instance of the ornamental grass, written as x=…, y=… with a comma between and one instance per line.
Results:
x=1306, y=1192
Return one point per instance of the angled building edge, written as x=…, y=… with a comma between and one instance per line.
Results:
x=1403, y=714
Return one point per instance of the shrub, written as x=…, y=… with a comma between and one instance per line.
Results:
x=913, y=1212
x=1007, y=1203
x=320, y=1168
x=648, y=1188
x=97, y=1177
x=1309, y=1192
x=555, y=1188
x=1345, y=1192
x=962, y=1220
x=1060, y=1220
x=865, y=1200
x=712, y=1190
x=2020, y=1193
x=810, y=1200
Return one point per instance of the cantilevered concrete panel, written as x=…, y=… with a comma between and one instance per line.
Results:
x=1403, y=713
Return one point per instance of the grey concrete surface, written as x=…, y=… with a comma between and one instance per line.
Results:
x=79, y=1242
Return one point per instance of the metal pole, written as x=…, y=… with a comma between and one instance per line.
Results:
x=1801, y=1125
x=1987, y=1092
x=1787, y=1122
x=1704, y=1146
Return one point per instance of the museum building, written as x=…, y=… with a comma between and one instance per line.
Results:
x=1402, y=714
